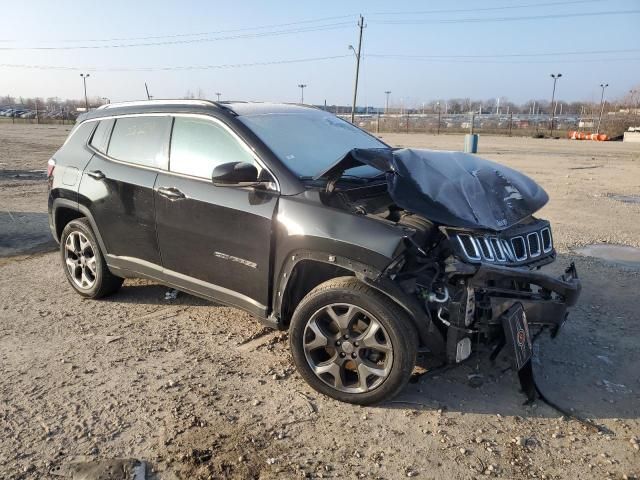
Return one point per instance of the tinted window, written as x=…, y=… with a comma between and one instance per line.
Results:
x=141, y=140
x=308, y=143
x=79, y=135
x=100, y=139
x=199, y=145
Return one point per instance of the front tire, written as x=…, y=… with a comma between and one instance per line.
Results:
x=351, y=343
x=83, y=262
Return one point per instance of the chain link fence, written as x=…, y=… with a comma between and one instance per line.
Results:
x=612, y=124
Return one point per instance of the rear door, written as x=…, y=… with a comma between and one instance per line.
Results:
x=117, y=184
x=215, y=240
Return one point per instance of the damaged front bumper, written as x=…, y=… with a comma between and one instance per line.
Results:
x=545, y=305
x=486, y=293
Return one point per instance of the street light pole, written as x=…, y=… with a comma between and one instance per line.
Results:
x=301, y=86
x=633, y=94
x=553, y=96
x=355, y=88
x=218, y=95
x=84, y=80
x=386, y=108
x=603, y=86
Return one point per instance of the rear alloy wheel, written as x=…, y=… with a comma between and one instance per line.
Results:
x=351, y=343
x=80, y=260
x=84, y=265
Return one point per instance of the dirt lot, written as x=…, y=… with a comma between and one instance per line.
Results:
x=202, y=391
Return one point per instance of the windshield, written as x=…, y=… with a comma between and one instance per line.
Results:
x=310, y=142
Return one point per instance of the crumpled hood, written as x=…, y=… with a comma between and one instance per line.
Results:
x=452, y=188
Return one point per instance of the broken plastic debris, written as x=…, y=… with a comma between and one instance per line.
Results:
x=171, y=294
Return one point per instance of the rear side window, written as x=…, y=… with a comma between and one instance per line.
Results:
x=198, y=145
x=100, y=140
x=141, y=140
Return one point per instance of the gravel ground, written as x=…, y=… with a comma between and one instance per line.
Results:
x=202, y=391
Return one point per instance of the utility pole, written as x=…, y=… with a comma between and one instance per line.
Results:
x=603, y=86
x=386, y=108
x=301, y=86
x=438, y=118
x=149, y=97
x=355, y=88
x=218, y=96
x=553, y=96
x=84, y=80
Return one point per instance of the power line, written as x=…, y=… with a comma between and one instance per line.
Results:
x=563, y=16
x=314, y=20
x=172, y=68
x=315, y=28
x=433, y=59
x=486, y=9
x=510, y=62
x=506, y=55
x=181, y=38
x=198, y=34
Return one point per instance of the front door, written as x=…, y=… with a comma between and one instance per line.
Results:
x=213, y=240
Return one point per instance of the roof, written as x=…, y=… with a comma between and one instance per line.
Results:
x=191, y=106
x=257, y=108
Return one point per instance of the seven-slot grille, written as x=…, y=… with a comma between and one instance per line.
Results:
x=516, y=249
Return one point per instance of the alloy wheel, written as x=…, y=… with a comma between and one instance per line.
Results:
x=348, y=348
x=80, y=260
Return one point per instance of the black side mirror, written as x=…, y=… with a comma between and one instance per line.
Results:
x=239, y=174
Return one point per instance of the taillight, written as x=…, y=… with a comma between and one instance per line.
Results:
x=51, y=164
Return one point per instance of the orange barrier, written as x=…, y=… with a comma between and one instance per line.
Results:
x=599, y=137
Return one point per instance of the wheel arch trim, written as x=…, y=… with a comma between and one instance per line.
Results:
x=428, y=334
x=75, y=206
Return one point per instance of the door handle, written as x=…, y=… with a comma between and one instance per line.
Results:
x=96, y=174
x=171, y=193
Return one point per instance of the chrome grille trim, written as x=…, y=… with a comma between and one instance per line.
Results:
x=497, y=249
x=506, y=248
x=476, y=253
x=519, y=238
x=491, y=255
x=549, y=246
x=538, y=250
x=510, y=250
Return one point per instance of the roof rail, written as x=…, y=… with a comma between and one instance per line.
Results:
x=157, y=102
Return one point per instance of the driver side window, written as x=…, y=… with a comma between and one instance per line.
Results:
x=199, y=145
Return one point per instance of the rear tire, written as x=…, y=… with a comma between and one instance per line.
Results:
x=351, y=343
x=83, y=262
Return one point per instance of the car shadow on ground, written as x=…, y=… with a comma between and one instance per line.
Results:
x=35, y=174
x=480, y=386
x=144, y=292
x=25, y=232
x=591, y=366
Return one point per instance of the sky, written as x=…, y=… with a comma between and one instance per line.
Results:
x=419, y=51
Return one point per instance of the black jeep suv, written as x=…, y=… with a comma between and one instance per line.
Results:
x=365, y=253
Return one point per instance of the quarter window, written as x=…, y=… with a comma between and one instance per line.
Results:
x=199, y=145
x=100, y=140
x=141, y=140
